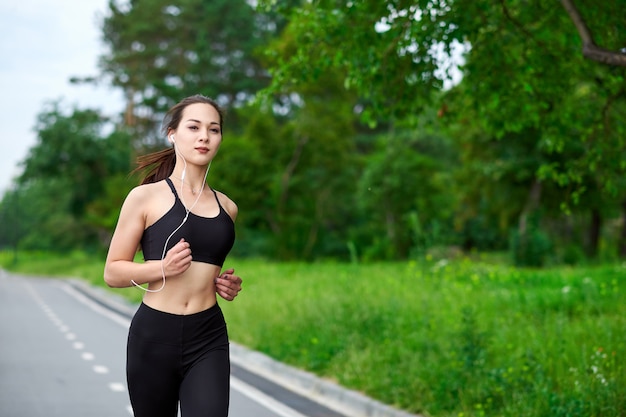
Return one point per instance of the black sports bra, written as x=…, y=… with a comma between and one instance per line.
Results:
x=210, y=238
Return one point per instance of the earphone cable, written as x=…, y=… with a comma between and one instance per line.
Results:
x=187, y=211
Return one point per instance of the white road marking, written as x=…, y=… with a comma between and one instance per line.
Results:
x=87, y=356
x=117, y=387
x=95, y=306
x=70, y=336
x=99, y=369
x=78, y=345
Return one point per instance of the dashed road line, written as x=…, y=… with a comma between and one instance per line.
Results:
x=117, y=387
x=100, y=369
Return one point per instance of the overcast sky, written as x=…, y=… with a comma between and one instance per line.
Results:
x=42, y=44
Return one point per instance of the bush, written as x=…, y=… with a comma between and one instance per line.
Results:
x=530, y=249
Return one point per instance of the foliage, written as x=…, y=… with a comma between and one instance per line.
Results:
x=160, y=52
x=11, y=227
x=68, y=147
x=405, y=198
x=64, y=177
x=382, y=52
x=395, y=54
x=532, y=248
x=306, y=165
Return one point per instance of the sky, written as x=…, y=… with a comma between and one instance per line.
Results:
x=42, y=44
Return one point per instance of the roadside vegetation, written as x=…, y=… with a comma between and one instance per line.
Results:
x=466, y=337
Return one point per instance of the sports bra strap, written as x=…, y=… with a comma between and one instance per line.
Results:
x=217, y=199
x=171, y=184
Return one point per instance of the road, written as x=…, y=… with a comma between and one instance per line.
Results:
x=62, y=354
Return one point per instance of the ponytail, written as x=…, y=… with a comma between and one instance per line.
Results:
x=156, y=166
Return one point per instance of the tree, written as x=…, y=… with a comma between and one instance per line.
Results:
x=72, y=147
x=160, y=53
x=394, y=55
x=405, y=195
x=11, y=225
x=590, y=50
x=306, y=165
x=64, y=173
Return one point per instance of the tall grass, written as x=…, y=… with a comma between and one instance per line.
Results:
x=462, y=338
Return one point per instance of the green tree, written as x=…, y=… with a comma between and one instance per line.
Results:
x=37, y=216
x=11, y=225
x=72, y=147
x=303, y=174
x=160, y=52
x=523, y=73
x=65, y=173
x=406, y=196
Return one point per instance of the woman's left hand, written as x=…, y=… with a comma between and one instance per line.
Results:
x=228, y=285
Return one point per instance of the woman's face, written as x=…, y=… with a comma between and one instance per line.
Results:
x=199, y=133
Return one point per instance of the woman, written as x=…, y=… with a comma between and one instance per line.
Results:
x=177, y=343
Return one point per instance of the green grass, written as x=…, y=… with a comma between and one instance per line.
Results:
x=462, y=338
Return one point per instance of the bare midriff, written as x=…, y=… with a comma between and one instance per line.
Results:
x=191, y=292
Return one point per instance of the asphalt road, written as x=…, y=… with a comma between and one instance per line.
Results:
x=62, y=354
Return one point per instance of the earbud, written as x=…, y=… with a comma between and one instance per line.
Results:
x=172, y=138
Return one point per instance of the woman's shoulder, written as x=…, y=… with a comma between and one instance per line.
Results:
x=145, y=192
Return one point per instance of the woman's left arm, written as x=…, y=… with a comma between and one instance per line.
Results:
x=228, y=285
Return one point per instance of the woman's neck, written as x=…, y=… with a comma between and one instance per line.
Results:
x=193, y=181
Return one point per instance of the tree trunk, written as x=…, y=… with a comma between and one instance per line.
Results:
x=594, y=233
x=531, y=204
x=622, y=239
x=590, y=49
x=129, y=111
x=276, y=220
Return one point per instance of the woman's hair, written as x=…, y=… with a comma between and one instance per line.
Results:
x=160, y=165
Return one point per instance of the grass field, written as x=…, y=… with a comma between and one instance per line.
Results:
x=445, y=339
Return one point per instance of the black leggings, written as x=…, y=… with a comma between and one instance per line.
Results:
x=173, y=357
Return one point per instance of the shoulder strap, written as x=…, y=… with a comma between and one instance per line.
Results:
x=217, y=199
x=171, y=184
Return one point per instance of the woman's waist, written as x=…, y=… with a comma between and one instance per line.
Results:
x=179, y=305
x=190, y=292
x=157, y=326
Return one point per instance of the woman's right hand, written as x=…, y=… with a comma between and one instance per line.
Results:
x=178, y=259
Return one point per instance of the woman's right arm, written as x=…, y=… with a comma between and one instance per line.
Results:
x=120, y=268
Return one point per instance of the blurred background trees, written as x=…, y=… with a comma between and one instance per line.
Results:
x=357, y=130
